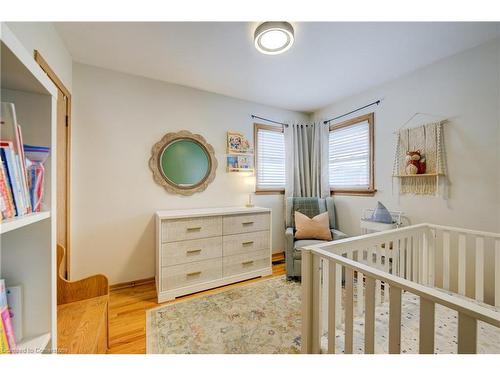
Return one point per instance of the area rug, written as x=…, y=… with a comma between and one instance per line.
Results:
x=265, y=318
x=261, y=318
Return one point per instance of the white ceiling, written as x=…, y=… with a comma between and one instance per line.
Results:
x=328, y=61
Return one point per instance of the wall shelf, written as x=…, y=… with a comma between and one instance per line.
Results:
x=22, y=221
x=251, y=170
x=418, y=175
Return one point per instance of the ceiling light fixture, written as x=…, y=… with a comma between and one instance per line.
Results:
x=273, y=38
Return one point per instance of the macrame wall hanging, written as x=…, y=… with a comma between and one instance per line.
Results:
x=419, y=161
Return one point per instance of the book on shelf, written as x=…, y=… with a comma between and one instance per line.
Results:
x=7, y=328
x=4, y=344
x=36, y=157
x=22, y=172
x=15, y=303
x=11, y=132
x=6, y=201
x=9, y=160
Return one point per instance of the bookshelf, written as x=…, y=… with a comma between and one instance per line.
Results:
x=28, y=245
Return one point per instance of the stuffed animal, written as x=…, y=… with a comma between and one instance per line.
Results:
x=415, y=162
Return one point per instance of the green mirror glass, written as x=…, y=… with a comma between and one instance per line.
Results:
x=185, y=163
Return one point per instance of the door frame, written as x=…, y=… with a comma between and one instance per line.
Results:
x=55, y=79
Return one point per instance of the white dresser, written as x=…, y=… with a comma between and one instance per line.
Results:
x=200, y=249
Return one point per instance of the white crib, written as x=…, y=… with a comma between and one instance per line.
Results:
x=441, y=267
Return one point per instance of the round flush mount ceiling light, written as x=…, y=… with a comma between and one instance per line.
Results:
x=273, y=38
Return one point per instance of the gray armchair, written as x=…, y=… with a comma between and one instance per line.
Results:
x=309, y=207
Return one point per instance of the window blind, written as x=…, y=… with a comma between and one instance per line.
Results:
x=270, y=160
x=349, y=157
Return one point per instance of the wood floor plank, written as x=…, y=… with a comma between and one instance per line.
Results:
x=127, y=311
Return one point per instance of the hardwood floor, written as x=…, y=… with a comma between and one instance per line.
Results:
x=127, y=307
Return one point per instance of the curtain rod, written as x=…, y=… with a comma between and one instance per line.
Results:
x=324, y=122
x=348, y=113
x=265, y=119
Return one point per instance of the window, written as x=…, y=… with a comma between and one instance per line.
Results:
x=269, y=158
x=350, y=148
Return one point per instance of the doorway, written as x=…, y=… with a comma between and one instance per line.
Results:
x=63, y=162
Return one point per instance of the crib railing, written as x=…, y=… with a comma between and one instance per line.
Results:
x=378, y=267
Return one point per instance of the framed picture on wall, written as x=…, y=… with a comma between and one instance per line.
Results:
x=232, y=163
x=237, y=143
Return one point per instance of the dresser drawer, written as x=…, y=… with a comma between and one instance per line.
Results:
x=190, y=229
x=245, y=223
x=182, y=275
x=242, y=263
x=173, y=253
x=245, y=242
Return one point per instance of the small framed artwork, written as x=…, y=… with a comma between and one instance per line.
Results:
x=245, y=163
x=239, y=163
x=232, y=163
x=237, y=143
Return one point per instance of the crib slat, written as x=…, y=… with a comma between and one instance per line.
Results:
x=369, y=315
x=359, y=293
x=331, y=306
x=408, y=258
x=426, y=329
x=461, y=263
x=395, y=259
x=432, y=257
x=424, y=259
x=395, y=320
x=446, y=260
x=338, y=294
x=378, y=265
x=415, y=256
x=402, y=258
x=479, y=293
x=349, y=301
x=467, y=334
x=385, y=253
x=316, y=335
x=497, y=273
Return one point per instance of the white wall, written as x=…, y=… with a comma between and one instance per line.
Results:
x=465, y=89
x=42, y=36
x=117, y=119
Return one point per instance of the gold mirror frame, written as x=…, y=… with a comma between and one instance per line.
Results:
x=160, y=179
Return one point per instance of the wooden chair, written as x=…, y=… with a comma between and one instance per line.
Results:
x=82, y=312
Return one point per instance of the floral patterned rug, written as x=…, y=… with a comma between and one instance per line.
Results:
x=265, y=318
x=261, y=318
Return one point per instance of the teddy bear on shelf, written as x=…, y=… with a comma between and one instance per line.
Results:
x=415, y=162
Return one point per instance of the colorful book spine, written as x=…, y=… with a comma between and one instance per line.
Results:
x=5, y=315
x=4, y=344
x=22, y=166
x=5, y=196
x=11, y=207
x=12, y=166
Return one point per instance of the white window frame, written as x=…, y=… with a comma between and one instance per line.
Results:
x=257, y=128
x=370, y=191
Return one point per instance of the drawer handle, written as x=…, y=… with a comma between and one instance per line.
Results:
x=247, y=263
x=193, y=273
x=193, y=229
x=248, y=223
x=247, y=243
x=193, y=251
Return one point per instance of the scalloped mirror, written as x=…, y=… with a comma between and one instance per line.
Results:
x=183, y=163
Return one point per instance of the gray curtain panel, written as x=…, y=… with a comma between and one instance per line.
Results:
x=306, y=163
